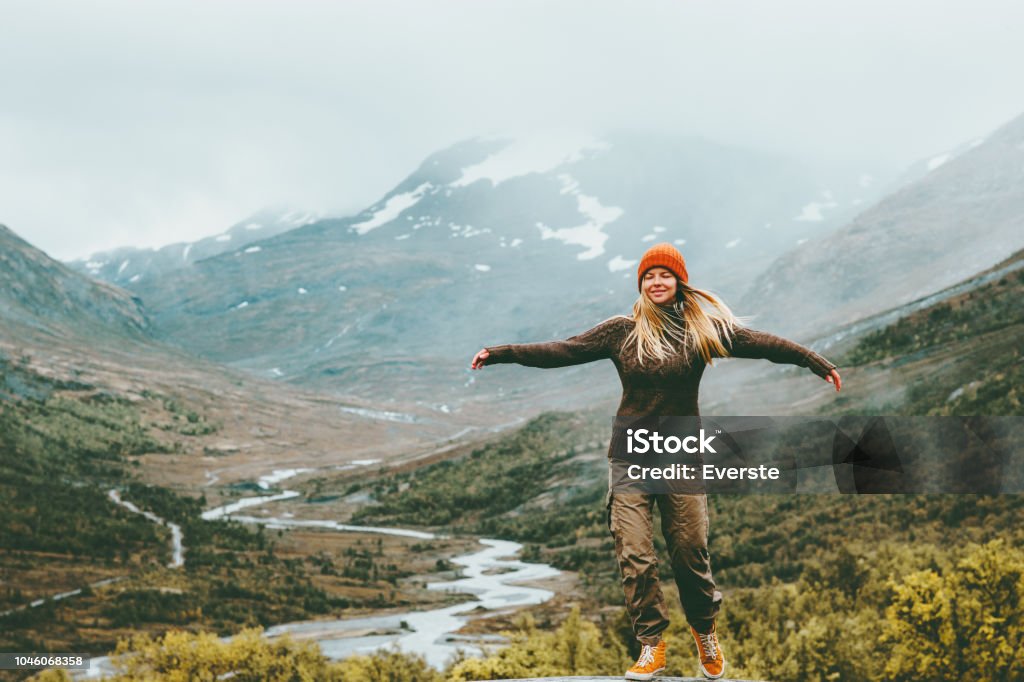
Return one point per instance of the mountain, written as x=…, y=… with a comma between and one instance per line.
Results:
x=129, y=264
x=99, y=422
x=491, y=240
x=41, y=294
x=66, y=328
x=963, y=215
x=923, y=167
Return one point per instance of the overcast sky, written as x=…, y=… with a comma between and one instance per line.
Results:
x=145, y=123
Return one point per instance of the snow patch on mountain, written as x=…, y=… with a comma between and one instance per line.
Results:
x=569, y=184
x=295, y=218
x=337, y=336
x=391, y=209
x=466, y=230
x=591, y=233
x=584, y=235
x=533, y=154
x=937, y=161
x=812, y=212
x=619, y=263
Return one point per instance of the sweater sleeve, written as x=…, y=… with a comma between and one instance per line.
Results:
x=594, y=344
x=758, y=345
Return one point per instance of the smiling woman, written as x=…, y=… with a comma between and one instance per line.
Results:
x=661, y=352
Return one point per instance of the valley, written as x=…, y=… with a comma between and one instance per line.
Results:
x=286, y=434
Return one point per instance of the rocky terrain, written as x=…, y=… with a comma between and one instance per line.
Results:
x=965, y=214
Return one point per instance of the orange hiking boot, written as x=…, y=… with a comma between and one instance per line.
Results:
x=650, y=663
x=712, y=661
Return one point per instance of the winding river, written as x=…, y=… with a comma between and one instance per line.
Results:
x=491, y=575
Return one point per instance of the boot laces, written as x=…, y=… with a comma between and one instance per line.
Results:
x=709, y=643
x=646, y=656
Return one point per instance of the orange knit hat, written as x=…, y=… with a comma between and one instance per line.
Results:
x=665, y=256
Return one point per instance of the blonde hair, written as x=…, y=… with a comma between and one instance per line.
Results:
x=687, y=323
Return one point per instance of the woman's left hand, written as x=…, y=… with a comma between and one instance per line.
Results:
x=833, y=378
x=480, y=359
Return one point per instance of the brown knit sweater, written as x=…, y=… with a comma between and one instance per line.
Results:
x=656, y=388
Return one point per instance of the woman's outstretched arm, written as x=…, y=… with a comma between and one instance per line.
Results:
x=750, y=343
x=594, y=344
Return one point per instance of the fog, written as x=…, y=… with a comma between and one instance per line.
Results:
x=126, y=123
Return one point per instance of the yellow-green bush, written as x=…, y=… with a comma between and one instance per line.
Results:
x=577, y=647
x=180, y=656
x=966, y=623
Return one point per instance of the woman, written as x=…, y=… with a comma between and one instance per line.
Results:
x=660, y=353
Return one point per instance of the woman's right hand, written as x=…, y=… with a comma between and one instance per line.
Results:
x=480, y=359
x=834, y=378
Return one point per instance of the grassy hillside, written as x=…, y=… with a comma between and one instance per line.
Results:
x=966, y=351
x=63, y=445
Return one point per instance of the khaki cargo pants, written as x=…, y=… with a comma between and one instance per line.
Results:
x=684, y=524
